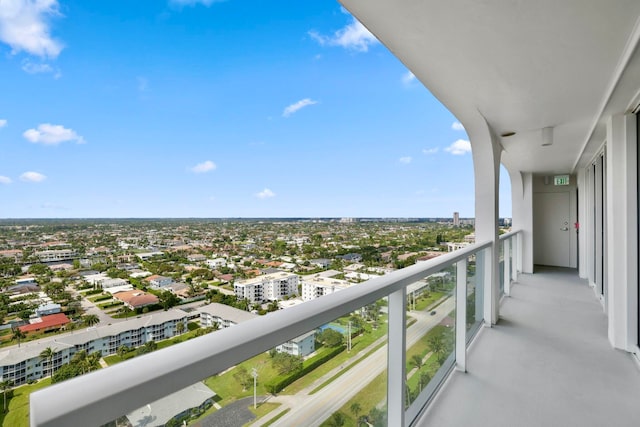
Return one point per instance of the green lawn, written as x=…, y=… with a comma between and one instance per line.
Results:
x=230, y=390
x=18, y=404
x=368, y=398
x=423, y=302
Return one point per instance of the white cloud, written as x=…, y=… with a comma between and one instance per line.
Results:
x=457, y=126
x=194, y=2
x=203, y=167
x=297, y=106
x=24, y=25
x=353, y=36
x=49, y=134
x=408, y=78
x=406, y=160
x=428, y=151
x=32, y=177
x=5, y=180
x=459, y=147
x=3, y=123
x=265, y=194
x=35, y=68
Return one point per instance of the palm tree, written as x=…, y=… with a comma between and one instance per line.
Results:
x=47, y=355
x=122, y=350
x=180, y=328
x=18, y=335
x=90, y=319
x=5, y=386
x=417, y=360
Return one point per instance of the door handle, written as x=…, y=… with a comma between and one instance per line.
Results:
x=565, y=229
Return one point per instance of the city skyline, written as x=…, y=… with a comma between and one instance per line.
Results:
x=187, y=108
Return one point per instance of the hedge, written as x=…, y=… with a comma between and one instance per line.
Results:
x=93, y=292
x=281, y=381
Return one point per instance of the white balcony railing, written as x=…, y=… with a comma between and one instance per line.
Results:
x=105, y=395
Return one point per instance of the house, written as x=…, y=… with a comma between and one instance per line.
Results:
x=48, y=323
x=48, y=308
x=321, y=262
x=216, y=263
x=136, y=299
x=157, y=282
x=112, y=283
x=196, y=258
x=351, y=257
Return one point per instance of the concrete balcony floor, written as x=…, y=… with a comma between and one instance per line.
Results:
x=546, y=363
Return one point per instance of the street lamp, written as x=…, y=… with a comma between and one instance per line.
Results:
x=254, y=374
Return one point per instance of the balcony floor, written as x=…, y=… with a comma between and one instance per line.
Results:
x=547, y=362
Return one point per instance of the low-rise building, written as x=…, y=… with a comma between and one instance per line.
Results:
x=223, y=315
x=56, y=255
x=303, y=345
x=22, y=364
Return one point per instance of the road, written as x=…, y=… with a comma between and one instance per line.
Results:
x=312, y=410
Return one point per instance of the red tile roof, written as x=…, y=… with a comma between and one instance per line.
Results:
x=51, y=321
x=136, y=298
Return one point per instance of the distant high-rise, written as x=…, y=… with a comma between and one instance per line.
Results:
x=456, y=219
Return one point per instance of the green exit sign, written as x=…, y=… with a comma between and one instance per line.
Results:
x=561, y=180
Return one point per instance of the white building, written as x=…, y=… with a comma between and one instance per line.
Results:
x=216, y=263
x=222, y=315
x=22, y=364
x=315, y=286
x=268, y=287
x=303, y=345
x=56, y=255
x=112, y=283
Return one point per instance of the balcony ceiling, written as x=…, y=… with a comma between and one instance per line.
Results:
x=521, y=65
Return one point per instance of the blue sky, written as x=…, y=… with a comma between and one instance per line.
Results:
x=201, y=108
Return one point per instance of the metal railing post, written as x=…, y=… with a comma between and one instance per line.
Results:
x=461, y=315
x=396, y=359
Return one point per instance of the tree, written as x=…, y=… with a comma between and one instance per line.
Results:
x=437, y=344
x=243, y=377
x=90, y=319
x=39, y=269
x=122, y=351
x=168, y=299
x=337, y=419
x=330, y=338
x=18, y=335
x=47, y=355
x=5, y=386
x=417, y=360
x=180, y=327
x=286, y=363
x=355, y=409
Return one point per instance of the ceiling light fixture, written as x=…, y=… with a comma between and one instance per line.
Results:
x=547, y=136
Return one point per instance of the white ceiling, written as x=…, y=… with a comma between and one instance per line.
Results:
x=522, y=65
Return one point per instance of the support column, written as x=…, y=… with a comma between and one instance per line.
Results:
x=396, y=354
x=522, y=211
x=622, y=231
x=486, y=151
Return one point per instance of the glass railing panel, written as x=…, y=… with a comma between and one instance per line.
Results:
x=475, y=294
x=333, y=374
x=430, y=347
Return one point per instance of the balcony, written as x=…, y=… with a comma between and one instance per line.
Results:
x=546, y=362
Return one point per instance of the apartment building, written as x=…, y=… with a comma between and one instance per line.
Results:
x=268, y=287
